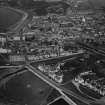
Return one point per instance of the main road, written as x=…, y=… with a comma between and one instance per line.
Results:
x=58, y=87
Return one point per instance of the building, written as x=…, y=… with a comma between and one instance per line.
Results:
x=16, y=58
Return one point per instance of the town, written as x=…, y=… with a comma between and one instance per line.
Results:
x=59, y=43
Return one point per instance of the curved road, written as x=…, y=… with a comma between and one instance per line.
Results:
x=19, y=25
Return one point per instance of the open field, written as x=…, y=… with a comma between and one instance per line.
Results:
x=8, y=17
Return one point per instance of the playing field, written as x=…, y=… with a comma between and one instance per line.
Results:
x=8, y=17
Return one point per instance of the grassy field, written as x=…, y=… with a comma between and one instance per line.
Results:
x=8, y=17
x=25, y=89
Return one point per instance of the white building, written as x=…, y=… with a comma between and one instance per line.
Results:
x=4, y=51
x=16, y=58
